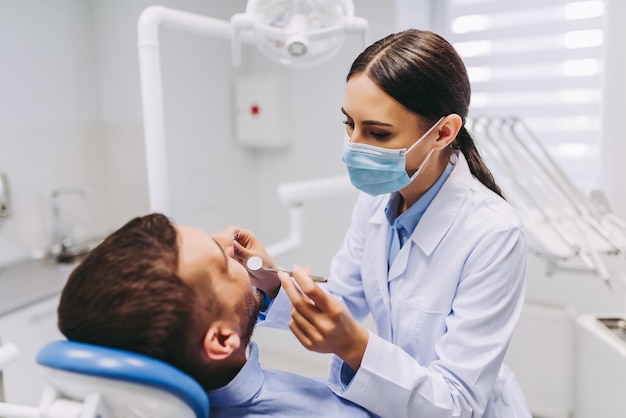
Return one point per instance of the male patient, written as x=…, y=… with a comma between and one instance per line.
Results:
x=179, y=295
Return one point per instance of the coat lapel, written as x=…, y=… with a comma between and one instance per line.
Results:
x=437, y=219
x=377, y=261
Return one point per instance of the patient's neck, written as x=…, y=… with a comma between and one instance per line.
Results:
x=216, y=375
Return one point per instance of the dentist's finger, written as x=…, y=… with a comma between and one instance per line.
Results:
x=292, y=291
x=313, y=292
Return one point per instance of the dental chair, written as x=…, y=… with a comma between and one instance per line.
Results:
x=88, y=381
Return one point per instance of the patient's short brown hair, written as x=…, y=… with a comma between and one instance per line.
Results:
x=126, y=294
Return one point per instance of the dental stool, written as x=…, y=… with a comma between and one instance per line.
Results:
x=88, y=381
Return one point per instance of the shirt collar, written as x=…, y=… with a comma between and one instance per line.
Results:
x=246, y=384
x=409, y=219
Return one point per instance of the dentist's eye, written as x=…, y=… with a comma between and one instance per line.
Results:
x=379, y=135
x=349, y=125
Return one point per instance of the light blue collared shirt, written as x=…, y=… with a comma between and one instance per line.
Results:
x=256, y=392
x=402, y=226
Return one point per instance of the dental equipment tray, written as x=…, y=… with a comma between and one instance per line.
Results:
x=616, y=325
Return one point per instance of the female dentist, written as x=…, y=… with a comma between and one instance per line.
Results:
x=434, y=253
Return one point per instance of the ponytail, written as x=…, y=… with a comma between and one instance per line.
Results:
x=465, y=143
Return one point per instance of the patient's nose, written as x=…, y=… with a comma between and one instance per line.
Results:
x=226, y=241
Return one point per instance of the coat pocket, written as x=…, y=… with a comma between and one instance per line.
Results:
x=416, y=327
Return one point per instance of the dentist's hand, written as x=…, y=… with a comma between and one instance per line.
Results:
x=247, y=245
x=322, y=323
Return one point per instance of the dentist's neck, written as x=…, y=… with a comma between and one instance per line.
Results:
x=427, y=176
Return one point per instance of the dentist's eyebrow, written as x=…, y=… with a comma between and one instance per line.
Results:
x=368, y=122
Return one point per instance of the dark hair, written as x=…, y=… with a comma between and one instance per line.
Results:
x=423, y=72
x=126, y=295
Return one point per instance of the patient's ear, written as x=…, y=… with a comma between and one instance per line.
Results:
x=221, y=340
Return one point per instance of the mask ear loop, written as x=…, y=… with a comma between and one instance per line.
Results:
x=432, y=128
x=421, y=138
x=422, y=165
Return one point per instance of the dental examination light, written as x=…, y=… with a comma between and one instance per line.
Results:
x=296, y=33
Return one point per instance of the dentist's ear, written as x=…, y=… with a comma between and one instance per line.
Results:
x=448, y=129
x=220, y=341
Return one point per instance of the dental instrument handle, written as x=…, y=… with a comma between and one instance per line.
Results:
x=255, y=263
x=314, y=278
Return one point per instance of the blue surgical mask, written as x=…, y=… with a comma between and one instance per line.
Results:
x=376, y=170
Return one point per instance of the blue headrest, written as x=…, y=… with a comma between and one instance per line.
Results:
x=123, y=365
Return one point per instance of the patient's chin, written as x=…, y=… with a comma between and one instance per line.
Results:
x=249, y=312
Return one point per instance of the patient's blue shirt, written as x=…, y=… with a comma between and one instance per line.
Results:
x=256, y=392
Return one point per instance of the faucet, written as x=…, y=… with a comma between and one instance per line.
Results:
x=62, y=240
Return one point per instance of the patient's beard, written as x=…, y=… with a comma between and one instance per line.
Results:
x=249, y=310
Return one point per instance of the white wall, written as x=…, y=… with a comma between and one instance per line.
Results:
x=208, y=172
x=71, y=116
x=49, y=123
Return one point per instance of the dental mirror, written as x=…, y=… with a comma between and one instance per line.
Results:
x=255, y=263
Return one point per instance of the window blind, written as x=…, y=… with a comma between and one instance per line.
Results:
x=539, y=60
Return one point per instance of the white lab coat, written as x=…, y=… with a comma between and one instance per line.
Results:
x=444, y=313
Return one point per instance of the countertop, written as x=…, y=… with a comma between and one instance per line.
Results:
x=26, y=282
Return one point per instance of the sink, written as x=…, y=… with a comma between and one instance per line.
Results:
x=75, y=253
x=70, y=254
